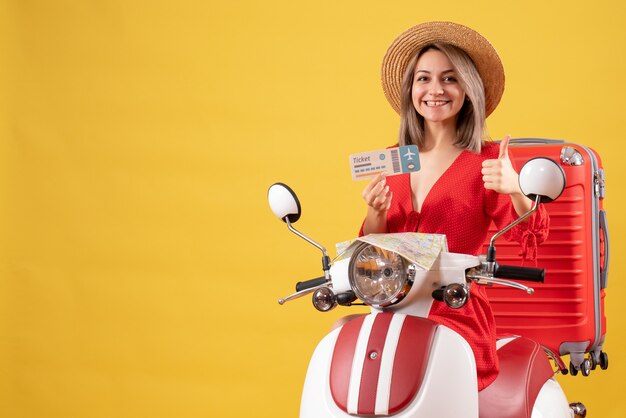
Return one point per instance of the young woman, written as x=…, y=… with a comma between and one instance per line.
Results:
x=444, y=79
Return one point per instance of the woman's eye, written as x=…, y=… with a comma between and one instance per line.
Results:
x=421, y=78
x=449, y=79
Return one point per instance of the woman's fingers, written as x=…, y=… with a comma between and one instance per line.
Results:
x=499, y=175
x=381, y=196
x=386, y=204
x=379, y=201
x=374, y=188
x=376, y=196
x=372, y=184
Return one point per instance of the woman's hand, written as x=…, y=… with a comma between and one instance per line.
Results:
x=498, y=174
x=378, y=198
x=376, y=194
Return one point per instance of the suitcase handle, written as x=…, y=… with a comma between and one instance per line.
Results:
x=604, y=230
x=536, y=141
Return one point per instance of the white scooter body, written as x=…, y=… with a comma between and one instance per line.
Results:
x=449, y=385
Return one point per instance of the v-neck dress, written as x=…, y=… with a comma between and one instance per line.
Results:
x=460, y=207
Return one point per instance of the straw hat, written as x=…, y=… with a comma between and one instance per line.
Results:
x=473, y=43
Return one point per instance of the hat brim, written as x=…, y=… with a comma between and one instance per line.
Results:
x=480, y=50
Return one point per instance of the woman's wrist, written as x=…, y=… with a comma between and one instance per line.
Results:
x=375, y=221
x=521, y=203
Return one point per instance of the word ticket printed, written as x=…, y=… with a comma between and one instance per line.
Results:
x=391, y=161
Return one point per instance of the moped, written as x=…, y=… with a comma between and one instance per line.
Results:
x=395, y=361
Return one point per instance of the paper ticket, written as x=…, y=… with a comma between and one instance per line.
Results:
x=390, y=161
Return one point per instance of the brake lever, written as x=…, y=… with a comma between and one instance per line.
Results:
x=489, y=281
x=300, y=293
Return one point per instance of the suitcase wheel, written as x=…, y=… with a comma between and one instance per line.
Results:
x=572, y=369
x=594, y=362
x=601, y=360
x=585, y=368
x=604, y=360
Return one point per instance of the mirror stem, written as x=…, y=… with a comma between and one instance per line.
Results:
x=325, y=257
x=491, y=252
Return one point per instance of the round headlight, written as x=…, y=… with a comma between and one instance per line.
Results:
x=379, y=277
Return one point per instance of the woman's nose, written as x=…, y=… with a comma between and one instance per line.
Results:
x=436, y=89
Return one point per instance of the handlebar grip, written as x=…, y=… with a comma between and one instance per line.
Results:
x=307, y=284
x=530, y=274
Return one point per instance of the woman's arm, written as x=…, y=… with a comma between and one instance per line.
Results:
x=521, y=203
x=499, y=176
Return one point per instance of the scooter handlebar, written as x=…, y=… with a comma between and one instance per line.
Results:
x=530, y=274
x=307, y=284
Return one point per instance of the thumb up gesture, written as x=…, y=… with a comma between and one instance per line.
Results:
x=498, y=174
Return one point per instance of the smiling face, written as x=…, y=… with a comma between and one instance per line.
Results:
x=436, y=93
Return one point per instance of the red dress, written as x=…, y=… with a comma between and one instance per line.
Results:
x=460, y=207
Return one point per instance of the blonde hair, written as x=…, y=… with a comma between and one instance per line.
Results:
x=470, y=125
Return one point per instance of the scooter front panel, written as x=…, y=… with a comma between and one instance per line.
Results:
x=448, y=389
x=378, y=363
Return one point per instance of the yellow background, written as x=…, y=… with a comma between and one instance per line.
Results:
x=140, y=264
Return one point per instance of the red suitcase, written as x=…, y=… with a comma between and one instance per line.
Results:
x=566, y=312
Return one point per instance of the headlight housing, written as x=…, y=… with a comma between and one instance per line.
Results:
x=379, y=277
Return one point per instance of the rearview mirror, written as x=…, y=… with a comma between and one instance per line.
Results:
x=284, y=202
x=542, y=177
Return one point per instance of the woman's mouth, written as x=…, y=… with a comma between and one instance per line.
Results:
x=436, y=103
